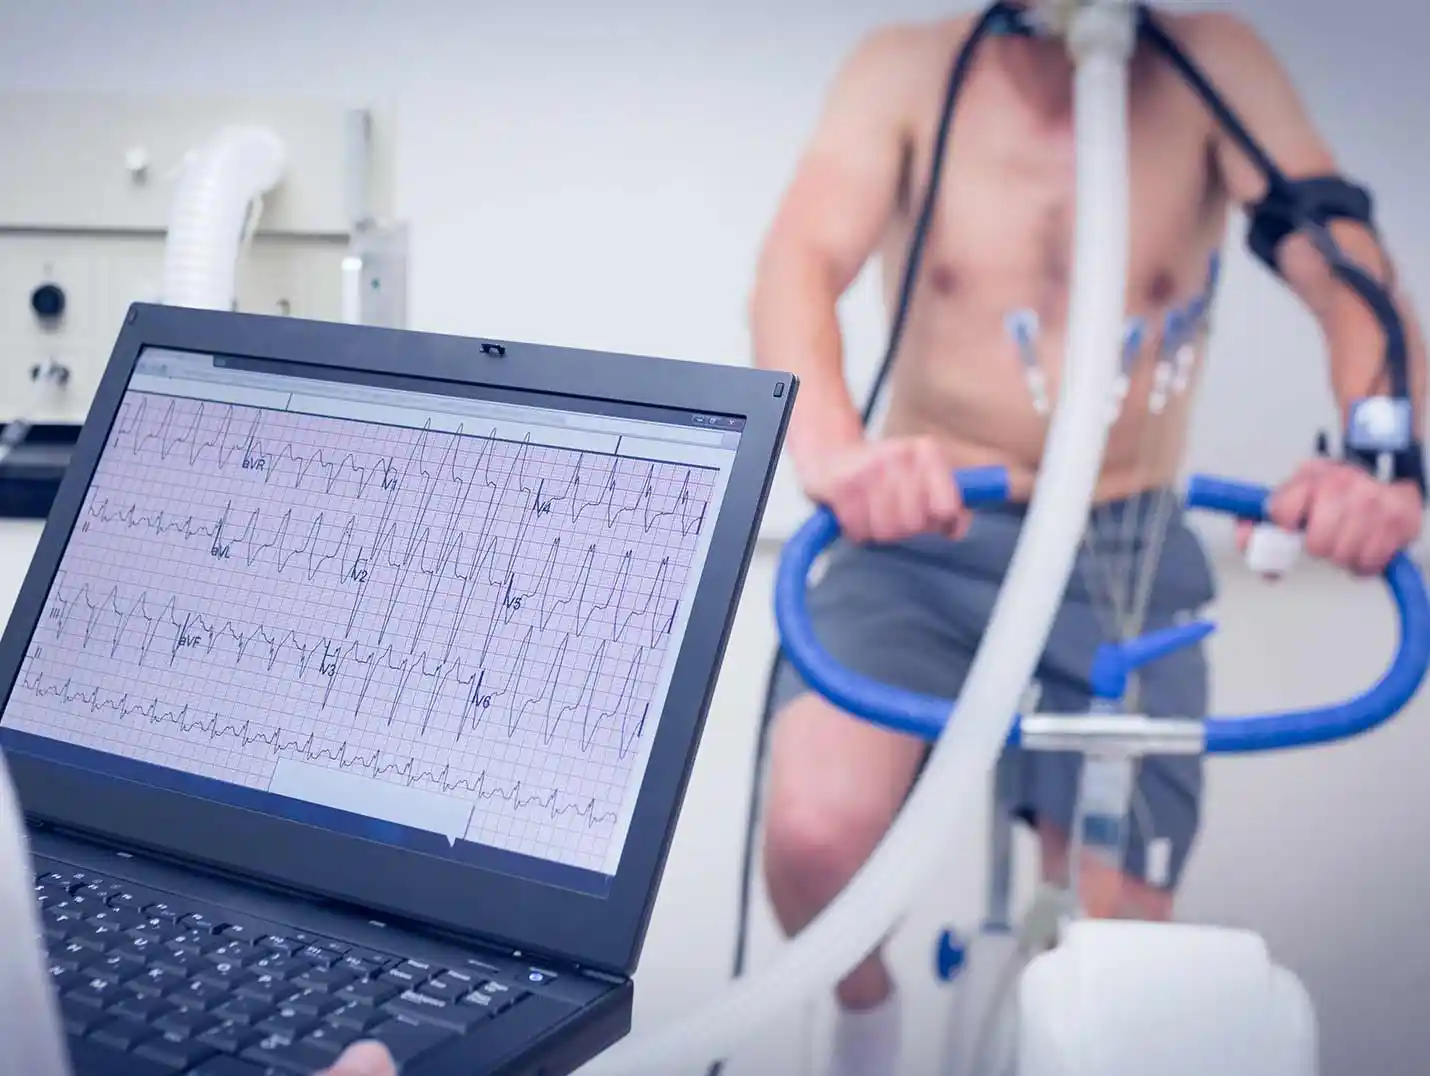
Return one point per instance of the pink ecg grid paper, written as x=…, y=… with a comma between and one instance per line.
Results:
x=479, y=617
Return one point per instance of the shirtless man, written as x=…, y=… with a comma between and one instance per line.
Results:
x=905, y=600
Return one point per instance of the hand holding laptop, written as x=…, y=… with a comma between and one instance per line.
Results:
x=363, y=1059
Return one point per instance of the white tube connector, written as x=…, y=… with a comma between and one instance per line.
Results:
x=215, y=206
x=879, y=894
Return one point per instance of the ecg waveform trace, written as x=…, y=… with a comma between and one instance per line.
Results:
x=481, y=617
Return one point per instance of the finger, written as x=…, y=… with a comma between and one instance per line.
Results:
x=363, y=1059
x=851, y=508
x=885, y=502
x=945, y=501
x=1324, y=522
x=1244, y=530
x=1290, y=505
x=1359, y=522
x=912, y=487
x=1376, y=553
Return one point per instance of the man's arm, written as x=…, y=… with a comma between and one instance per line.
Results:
x=842, y=197
x=1256, y=86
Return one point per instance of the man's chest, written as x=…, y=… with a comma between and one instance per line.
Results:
x=1006, y=209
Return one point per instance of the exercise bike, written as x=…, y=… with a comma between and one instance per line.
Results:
x=1116, y=998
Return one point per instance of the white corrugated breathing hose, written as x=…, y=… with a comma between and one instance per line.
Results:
x=216, y=201
x=1100, y=35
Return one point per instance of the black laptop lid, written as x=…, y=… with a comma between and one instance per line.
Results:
x=425, y=624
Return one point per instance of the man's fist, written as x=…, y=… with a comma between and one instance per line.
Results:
x=886, y=491
x=1346, y=515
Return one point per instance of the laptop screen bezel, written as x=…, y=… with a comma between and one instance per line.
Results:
x=604, y=932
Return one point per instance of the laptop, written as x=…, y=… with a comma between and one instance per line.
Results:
x=355, y=685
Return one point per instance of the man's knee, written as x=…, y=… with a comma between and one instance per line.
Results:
x=835, y=786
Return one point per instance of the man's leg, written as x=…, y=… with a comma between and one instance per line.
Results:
x=836, y=783
x=1105, y=891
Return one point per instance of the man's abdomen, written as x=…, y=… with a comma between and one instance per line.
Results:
x=964, y=382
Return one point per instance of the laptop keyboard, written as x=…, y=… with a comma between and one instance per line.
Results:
x=147, y=986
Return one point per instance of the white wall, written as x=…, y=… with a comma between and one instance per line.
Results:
x=599, y=175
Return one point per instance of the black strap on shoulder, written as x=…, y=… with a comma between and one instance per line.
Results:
x=1289, y=204
x=1004, y=20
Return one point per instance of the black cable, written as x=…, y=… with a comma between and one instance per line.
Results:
x=1004, y=17
x=1375, y=295
x=1149, y=28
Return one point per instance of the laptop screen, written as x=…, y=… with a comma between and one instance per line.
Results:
x=430, y=614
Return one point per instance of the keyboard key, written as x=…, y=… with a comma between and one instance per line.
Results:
x=183, y=1055
x=295, y=1057
x=119, y=919
x=235, y=952
x=369, y=993
x=228, y=1066
x=131, y=898
x=325, y=979
x=243, y=1010
x=371, y=956
x=199, y=995
x=287, y=1025
x=407, y=1040
x=317, y=954
x=176, y=960
x=162, y=910
x=88, y=937
x=276, y=963
x=266, y=988
x=448, y=987
x=155, y=981
x=225, y=974
x=77, y=1019
x=89, y=1056
x=230, y=1036
x=183, y=1024
x=355, y=1016
x=144, y=1009
x=287, y=944
x=425, y=1010
x=94, y=993
x=64, y=968
x=111, y=970
x=494, y=997
x=332, y=1040
x=363, y=968
x=312, y=1003
x=408, y=974
x=121, y=1033
x=135, y=949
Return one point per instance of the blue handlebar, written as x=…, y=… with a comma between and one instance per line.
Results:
x=924, y=716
